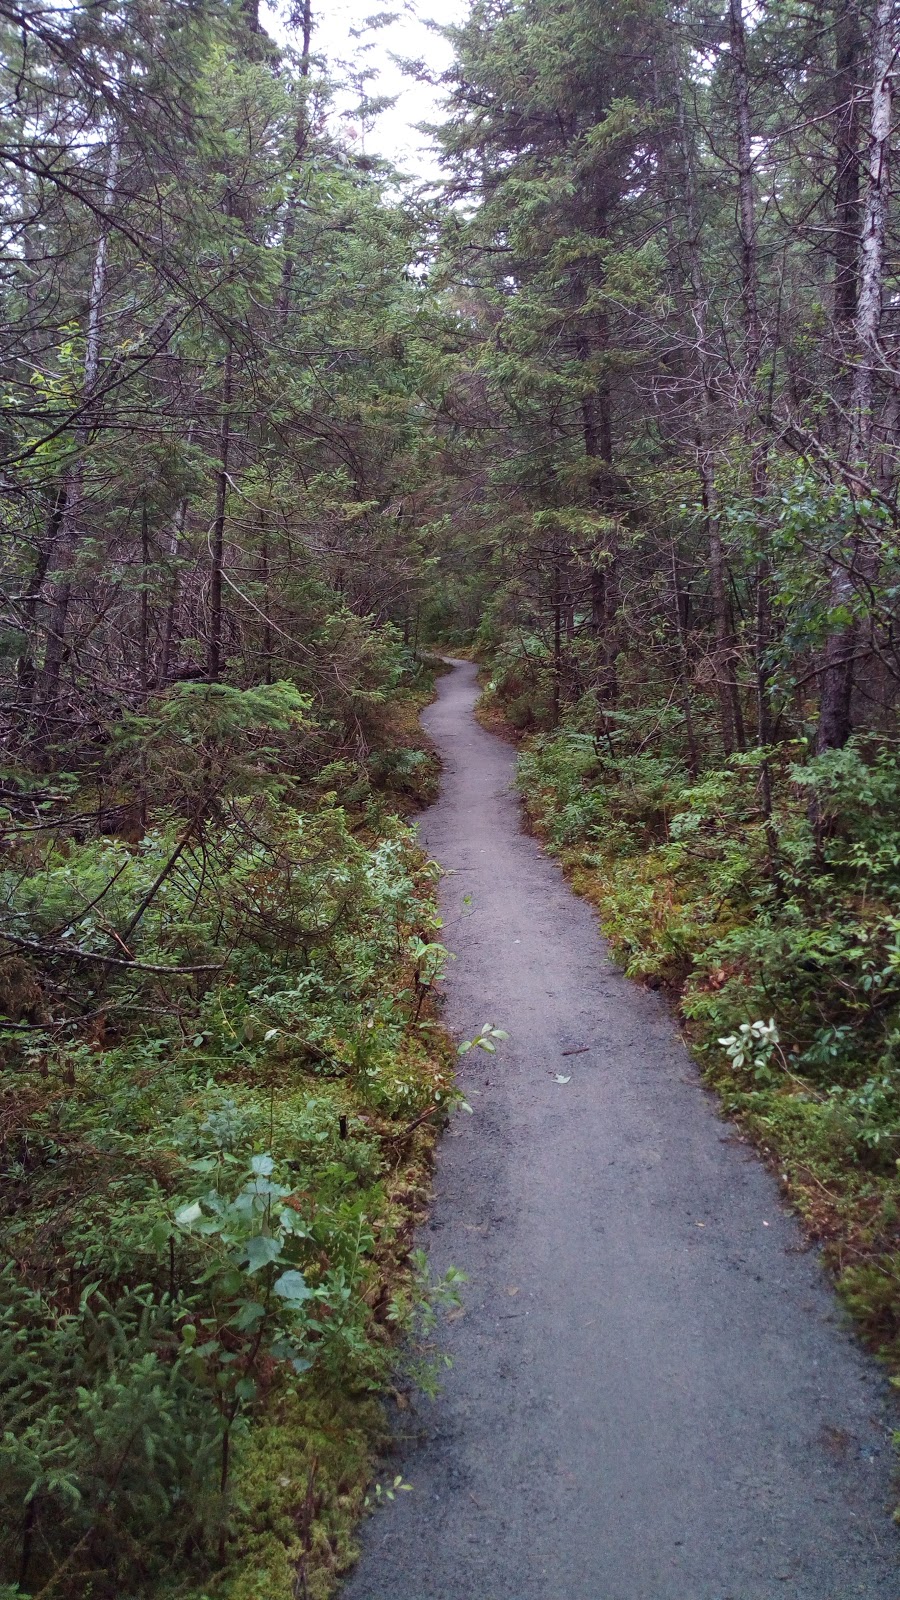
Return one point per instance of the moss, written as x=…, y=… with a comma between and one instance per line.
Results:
x=871, y=1292
x=301, y=1486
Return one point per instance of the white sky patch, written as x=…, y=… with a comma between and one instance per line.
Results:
x=340, y=34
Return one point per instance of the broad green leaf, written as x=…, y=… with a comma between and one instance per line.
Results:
x=250, y=1313
x=260, y=1251
x=292, y=1286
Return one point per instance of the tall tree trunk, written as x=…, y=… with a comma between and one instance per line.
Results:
x=67, y=537
x=848, y=53
x=753, y=343
x=144, y=626
x=597, y=433
x=685, y=665
x=746, y=199
x=874, y=230
x=26, y=667
x=557, y=639
x=267, y=599
x=835, y=714
x=165, y=659
x=729, y=706
x=217, y=532
x=301, y=137
x=703, y=356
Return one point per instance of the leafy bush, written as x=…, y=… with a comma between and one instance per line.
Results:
x=220, y=1075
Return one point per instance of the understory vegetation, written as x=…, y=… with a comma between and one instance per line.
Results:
x=219, y=1093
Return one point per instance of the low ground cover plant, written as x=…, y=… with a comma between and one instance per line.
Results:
x=221, y=1084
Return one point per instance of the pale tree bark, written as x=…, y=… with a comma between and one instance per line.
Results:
x=301, y=139
x=835, y=713
x=874, y=231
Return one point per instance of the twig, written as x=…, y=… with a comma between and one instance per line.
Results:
x=74, y=953
x=398, y=1138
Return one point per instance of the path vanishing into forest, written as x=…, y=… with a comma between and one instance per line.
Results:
x=654, y=1395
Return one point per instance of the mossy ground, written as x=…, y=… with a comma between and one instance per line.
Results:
x=304, y=1474
x=304, y=1479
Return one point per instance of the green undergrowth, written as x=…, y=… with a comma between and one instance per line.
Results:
x=779, y=942
x=220, y=1093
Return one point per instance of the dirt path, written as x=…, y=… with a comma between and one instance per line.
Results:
x=654, y=1396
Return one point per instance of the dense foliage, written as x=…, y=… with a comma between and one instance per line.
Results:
x=618, y=408
x=217, y=1085
x=217, y=936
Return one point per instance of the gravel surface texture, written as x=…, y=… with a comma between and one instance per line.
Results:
x=654, y=1393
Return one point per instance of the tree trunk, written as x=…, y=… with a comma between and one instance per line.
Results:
x=165, y=659
x=874, y=229
x=557, y=641
x=753, y=356
x=26, y=668
x=596, y=423
x=144, y=629
x=727, y=688
x=67, y=538
x=847, y=59
x=835, y=715
x=267, y=601
x=746, y=202
x=684, y=660
x=217, y=533
x=301, y=136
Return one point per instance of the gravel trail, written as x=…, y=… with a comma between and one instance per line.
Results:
x=654, y=1394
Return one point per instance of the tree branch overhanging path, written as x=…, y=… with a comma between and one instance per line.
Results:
x=653, y=1392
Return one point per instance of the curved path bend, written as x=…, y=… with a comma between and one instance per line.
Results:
x=654, y=1395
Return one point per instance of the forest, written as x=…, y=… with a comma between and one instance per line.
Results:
x=613, y=407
